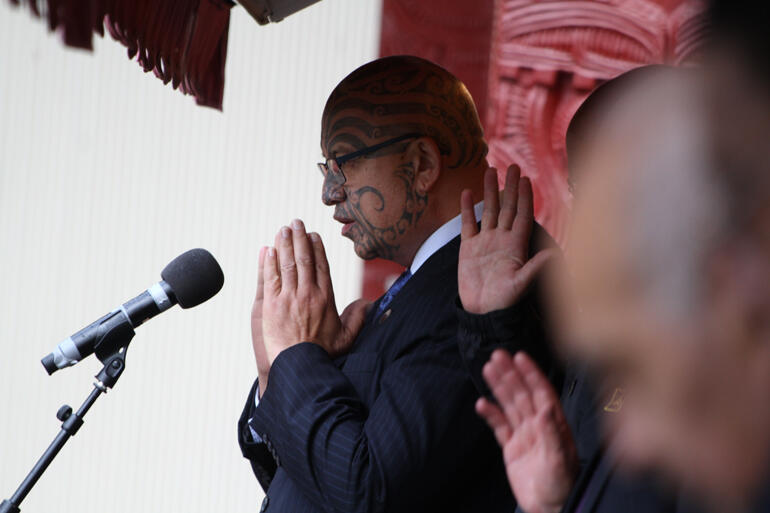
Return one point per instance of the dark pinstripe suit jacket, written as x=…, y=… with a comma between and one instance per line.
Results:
x=601, y=487
x=762, y=503
x=389, y=427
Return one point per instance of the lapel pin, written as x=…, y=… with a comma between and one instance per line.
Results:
x=384, y=316
x=616, y=401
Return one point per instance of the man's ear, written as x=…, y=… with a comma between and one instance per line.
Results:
x=426, y=157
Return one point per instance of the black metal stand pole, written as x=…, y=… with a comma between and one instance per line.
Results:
x=70, y=425
x=114, y=365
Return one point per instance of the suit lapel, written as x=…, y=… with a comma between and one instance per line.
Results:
x=590, y=484
x=596, y=484
x=432, y=273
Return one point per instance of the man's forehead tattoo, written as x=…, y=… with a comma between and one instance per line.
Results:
x=404, y=94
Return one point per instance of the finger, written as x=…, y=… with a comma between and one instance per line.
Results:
x=303, y=255
x=493, y=370
x=469, y=226
x=286, y=262
x=543, y=394
x=322, y=274
x=272, y=276
x=525, y=217
x=557, y=441
x=495, y=373
x=496, y=420
x=511, y=389
x=558, y=437
x=260, y=275
x=510, y=197
x=353, y=316
x=519, y=391
x=491, y=200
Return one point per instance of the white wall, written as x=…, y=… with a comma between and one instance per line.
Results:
x=105, y=176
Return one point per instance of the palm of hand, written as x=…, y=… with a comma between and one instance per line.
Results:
x=488, y=270
x=494, y=268
x=538, y=450
x=538, y=464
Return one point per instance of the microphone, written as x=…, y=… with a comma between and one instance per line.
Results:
x=190, y=279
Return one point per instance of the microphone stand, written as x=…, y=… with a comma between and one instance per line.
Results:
x=111, y=351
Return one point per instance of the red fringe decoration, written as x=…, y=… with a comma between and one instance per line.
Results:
x=182, y=41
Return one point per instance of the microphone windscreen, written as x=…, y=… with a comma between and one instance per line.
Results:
x=194, y=276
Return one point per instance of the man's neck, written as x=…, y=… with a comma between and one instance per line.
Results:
x=440, y=237
x=444, y=206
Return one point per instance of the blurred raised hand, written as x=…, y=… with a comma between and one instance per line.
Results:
x=529, y=424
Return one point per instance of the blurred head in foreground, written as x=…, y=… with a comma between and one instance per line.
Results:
x=670, y=276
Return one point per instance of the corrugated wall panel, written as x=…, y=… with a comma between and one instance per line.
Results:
x=105, y=175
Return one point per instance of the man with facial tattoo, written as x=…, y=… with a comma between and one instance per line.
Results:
x=372, y=410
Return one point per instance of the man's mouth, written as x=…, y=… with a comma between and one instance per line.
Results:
x=347, y=224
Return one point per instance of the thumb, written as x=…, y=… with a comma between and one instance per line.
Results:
x=534, y=267
x=353, y=316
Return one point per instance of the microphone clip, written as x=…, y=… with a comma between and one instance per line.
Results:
x=111, y=351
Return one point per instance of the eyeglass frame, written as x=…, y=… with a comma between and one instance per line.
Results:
x=324, y=166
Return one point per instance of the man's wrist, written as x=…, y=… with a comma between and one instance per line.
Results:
x=474, y=309
x=506, y=318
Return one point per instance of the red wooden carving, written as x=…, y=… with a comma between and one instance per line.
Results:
x=547, y=56
x=529, y=64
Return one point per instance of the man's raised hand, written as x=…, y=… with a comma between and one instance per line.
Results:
x=529, y=424
x=494, y=270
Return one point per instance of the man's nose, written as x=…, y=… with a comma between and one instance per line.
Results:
x=333, y=191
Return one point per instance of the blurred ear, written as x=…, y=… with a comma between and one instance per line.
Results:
x=426, y=158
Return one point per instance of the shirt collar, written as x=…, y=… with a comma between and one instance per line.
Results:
x=440, y=237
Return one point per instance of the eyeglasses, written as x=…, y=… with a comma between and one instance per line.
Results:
x=334, y=165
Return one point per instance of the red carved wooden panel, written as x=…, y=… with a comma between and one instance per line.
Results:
x=547, y=56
